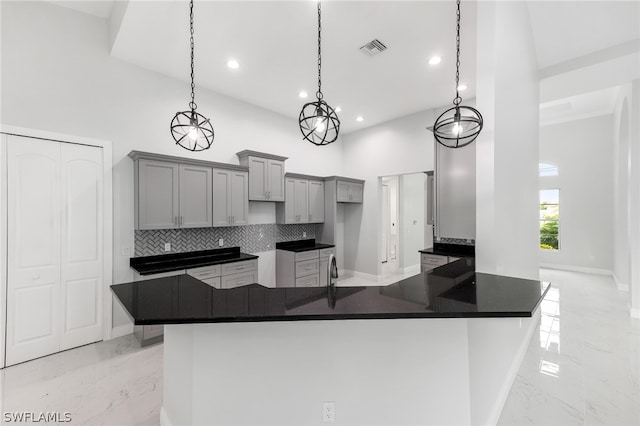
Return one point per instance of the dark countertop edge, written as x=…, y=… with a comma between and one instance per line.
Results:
x=339, y=317
x=170, y=268
x=318, y=246
x=444, y=253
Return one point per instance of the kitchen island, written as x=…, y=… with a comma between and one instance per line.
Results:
x=441, y=347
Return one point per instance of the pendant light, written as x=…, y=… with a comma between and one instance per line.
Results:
x=319, y=122
x=460, y=125
x=190, y=129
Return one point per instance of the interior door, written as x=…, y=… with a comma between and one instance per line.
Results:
x=195, y=196
x=384, y=234
x=221, y=185
x=33, y=258
x=82, y=230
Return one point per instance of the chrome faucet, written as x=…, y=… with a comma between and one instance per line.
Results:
x=332, y=271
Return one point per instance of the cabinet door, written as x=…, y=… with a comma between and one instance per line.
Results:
x=195, y=196
x=239, y=194
x=275, y=180
x=355, y=192
x=302, y=200
x=290, y=214
x=324, y=263
x=316, y=201
x=158, y=202
x=259, y=176
x=238, y=280
x=221, y=198
x=343, y=191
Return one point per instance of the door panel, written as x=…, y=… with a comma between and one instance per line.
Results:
x=158, y=192
x=290, y=204
x=343, y=191
x=33, y=258
x=258, y=173
x=316, y=201
x=82, y=230
x=276, y=180
x=302, y=200
x=195, y=196
x=239, y=198
x=221, y=184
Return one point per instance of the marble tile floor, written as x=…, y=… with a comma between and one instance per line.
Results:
x=581, y=367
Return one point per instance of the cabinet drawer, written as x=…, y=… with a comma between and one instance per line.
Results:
x=214, y=282
x=306, y=255
x=324, y=253
x=238, y=280
x=236, y=267
x=205, y=272
x=434, y=260
x=307, y=267
x=310, y=281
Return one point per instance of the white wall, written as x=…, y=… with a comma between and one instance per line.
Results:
x=507, y=149
x=392, y=148
x=57, y=75
x=583, y=152
x=412, y=204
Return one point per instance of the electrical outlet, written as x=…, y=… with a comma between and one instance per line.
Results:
x=167, y=246
x=220, y=242
x=126, y=251
x=304, y=235
x=329, y=412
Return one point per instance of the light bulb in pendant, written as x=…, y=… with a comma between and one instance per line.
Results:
x=193, y=133
x=456, y=129
x=320, y=125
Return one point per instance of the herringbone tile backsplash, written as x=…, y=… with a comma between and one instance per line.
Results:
x=250, y=238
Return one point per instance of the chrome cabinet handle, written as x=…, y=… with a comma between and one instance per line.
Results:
x=175, y=220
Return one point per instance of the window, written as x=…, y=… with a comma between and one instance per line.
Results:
x=549, y=219
x=545, y=169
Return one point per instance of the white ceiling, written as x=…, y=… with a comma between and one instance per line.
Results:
x=275, y=44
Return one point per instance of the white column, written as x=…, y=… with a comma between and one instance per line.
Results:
x=507, y=149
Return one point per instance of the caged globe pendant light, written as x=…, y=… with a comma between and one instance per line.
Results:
x=319, y=123
x=189, y=129
x=460, y=125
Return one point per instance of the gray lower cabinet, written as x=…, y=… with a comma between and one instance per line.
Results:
x=304, y=269
x=230, y=197
x=431, y=261
x=227, y=275
x=149, y=334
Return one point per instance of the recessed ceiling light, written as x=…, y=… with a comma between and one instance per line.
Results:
x=462, y=87
x=359, y=118
x=338, y=109
x=435, y=60
x=233, y=64
x=303, y=94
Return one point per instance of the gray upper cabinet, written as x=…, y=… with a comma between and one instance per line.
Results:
x=266, y=175
x=230, y=198
x=195, y=196
x=316, y=201
x=174, y=192
x=156, y=194
x=349, y=191
x=304, y=200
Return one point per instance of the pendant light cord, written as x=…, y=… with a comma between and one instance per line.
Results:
x=192, y=104
x=319, y=93
x=458, y=99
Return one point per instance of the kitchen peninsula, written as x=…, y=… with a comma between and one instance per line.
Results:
x=440, y=347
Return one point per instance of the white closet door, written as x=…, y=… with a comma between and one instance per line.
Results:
x=33, y=275
x=82, y=245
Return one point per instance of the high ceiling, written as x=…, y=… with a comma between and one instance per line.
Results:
x=275, y=44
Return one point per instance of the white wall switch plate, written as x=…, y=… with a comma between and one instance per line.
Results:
x=167, y=246
x=304, y=235
x=329, y=412
x=220, y=242
x=126, y=251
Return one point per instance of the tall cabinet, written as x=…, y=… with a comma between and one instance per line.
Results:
x=55, y=246
x=304, y=200
x=266, y=175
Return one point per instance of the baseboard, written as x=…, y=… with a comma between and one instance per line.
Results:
x=577, y=269
x=164, y=418
x=121, y=330
x=345, y=273
x=413, y=269
x=621, y=286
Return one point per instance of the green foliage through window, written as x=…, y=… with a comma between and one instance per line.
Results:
x=549, y=219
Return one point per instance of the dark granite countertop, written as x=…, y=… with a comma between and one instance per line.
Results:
x=444, y=249
x=450, y=291
x=302, y=245
x=147, y=265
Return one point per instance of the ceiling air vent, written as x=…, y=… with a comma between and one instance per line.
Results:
x=373, y=48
